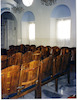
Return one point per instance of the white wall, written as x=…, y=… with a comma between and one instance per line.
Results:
x=44, y=29
x=42, y=22
x=25, y=35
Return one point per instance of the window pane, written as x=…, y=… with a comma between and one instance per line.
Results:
x=63, y=29
x=32, y=31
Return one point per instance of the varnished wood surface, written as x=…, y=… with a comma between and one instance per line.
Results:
x=48, y=66
x=3, y=61
x=10, y=79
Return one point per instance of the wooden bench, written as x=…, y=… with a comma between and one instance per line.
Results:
x=18, y=81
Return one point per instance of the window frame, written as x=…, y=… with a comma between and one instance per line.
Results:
x=34, y=30
x=56, y=27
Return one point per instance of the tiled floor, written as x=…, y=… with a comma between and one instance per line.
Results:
x=64, y=89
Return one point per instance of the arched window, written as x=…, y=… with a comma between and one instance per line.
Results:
x=62, y=25
x=28, y=28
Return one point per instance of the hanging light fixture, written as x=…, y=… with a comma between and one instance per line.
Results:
x=48, y=2
x=18, y=8
x=27, y=2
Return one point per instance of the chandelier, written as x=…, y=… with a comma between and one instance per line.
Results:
x=48, y=2
x=17, y=8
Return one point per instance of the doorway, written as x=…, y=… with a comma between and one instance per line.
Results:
x=8, y=30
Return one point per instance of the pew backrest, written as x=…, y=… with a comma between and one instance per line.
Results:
x=55, y=51
x=27, y=57
x=29, y=74
x=3, y=61
x=15, y=59
x=10, y=80
x=57, y=62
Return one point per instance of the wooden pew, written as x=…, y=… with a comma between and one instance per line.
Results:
x=11, y=47
x=55, y=51
x=29, y=76
x=27, y=47
x=27, y=57
x=10, y=52
x=22, y=48
x=63, y=66
x=64, y=50
x=51, y=68
x=32, y=48
x=3, y=61
x=46, y=65
x=36, y=55
x=40, y=47
x=57, y=62
x=47, y=51
x=10, y=80
x=3, y=51
x=60, y=65
x=15, y=59
x=17, y=48
x=18, y=82
x=73, y=55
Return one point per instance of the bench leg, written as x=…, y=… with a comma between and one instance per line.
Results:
x=38, y=89
x=68, y=76
x=56, y=85
x=38, y=92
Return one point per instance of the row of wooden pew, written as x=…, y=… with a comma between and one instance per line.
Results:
x=45, y=50
x=24, y=48
x=19, y=58
x=23, y=73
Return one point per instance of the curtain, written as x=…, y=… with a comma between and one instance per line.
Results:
x=63, y=32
